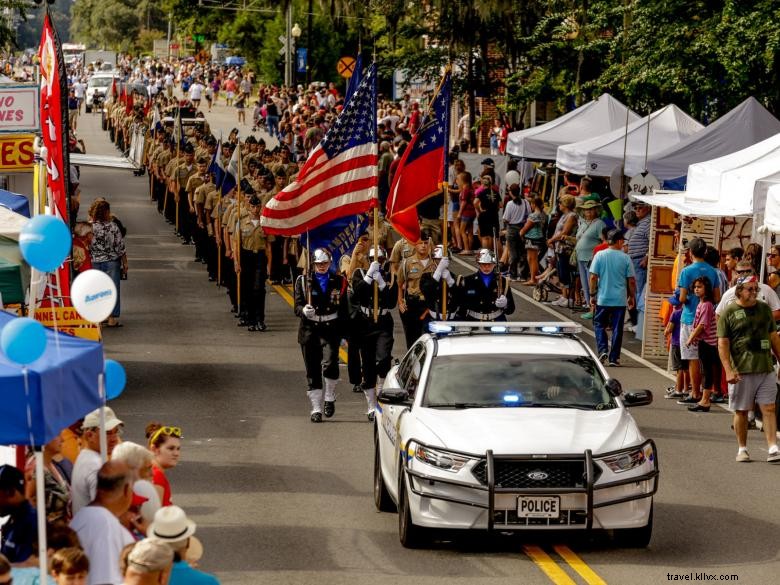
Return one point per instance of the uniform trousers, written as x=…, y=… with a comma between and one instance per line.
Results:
x=376, y=349
x=253, y=276
x=185, y=217
x=320, y=347
x=354, y=342
x=201, y=238
x=414, y=319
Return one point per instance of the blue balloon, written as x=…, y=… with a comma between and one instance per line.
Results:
x=115, y=378
x=45, y=242
x=23, y=340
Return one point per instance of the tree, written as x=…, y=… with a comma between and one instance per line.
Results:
x=8, y=37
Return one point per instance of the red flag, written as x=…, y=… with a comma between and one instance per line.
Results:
x=147, y=106
x=123, y=96
x=422, y=168
x=339, y=177
x=129, y=103
x=113, y=88
x=54, y=123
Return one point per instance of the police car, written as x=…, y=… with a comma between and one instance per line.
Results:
x=508, y=427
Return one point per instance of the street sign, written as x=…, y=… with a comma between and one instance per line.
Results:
x=19, y=108
x=346, y=67
x=198, y=38
x=300, y=59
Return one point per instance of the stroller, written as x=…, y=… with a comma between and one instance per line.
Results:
x=544, y=286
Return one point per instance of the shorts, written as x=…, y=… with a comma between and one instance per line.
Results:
x=753, y=389
x=687, y=352
x=534, y=244
x=677, y=362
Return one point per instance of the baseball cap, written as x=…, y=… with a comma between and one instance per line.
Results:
x=488, y=162
x=150, y=556
x=92, y=420
x=614, y=236
x=11, y=478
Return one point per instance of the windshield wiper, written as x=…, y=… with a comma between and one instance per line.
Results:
x=460, y=405
x=556, y=405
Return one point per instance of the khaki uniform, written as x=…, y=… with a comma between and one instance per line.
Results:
x=416, y=316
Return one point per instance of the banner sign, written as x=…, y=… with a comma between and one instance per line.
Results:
x=19, y=108
x=16, y=153
x=68, y=321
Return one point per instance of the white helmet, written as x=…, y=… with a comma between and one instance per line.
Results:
x=321, y=255
x=372, y=253
x=486, y=256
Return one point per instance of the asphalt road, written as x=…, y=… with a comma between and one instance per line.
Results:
x=280, y=500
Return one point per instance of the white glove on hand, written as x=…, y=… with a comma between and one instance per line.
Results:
x=373, y=269
x=309, y=312
x=380, y=280
x=437, y=274
x=501, y=302
x=444, y=263
x=448, y=278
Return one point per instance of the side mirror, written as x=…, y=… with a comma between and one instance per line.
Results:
x=394, y=395
x=614, y=387
x=638, y=398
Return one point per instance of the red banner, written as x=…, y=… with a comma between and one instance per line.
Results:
x=54, y=126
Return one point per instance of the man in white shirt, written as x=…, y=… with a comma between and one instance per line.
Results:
x=101, y=535
x=79, y=88
x=85, y=470
x=196, y=92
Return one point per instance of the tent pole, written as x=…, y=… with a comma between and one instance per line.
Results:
x=103, y=438
x=765, y=244
x=40, y=504
x=555, y=192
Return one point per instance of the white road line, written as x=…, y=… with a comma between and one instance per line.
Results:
x=562, y=317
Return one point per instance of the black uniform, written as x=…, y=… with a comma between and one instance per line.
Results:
x=320, y=338
x=477, y=301
x=376, y=345
x=433, y=297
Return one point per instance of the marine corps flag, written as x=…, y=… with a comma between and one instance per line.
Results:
x=54, y=126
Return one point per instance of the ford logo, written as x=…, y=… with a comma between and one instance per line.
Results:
x=537, y=475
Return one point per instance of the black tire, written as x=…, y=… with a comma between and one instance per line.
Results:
x=635, y=537
x=382, y=499
x=410, y=535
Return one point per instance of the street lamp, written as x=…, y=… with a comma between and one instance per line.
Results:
x=295, y=33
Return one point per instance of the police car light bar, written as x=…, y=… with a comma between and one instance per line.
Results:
x=442, y=328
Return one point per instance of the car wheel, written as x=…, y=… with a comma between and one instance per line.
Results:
x=382, y=499
x=635, y=537
x=411, y=535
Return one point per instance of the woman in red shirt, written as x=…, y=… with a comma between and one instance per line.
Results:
x=165, y=444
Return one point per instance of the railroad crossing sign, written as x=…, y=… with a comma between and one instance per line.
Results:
x=346, y=66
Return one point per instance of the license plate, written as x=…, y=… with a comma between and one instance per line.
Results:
x=538, y=506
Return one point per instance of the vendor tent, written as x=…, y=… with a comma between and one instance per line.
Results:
x=591, y=119
x=14, y=202
x=62, y=384
x=743, y=126
x=14, y=271
x=600, y=155
x=772, y=209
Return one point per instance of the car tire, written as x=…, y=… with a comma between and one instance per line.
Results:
x=410, y=535
x=382, y=499
x=635, y=537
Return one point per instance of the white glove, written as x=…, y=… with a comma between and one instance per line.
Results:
x=309, y=312
x=439, y=272
x=501, y=302
x=380, y=280
x=373, y=269
x=448, y=278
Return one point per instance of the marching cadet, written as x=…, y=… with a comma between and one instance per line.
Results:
x=402, y=250
x=206, y=198
x=169, y=205
x=432, y=285
x=358, y=262
x=193, y=183
x=485, y=295
x=183, y=173
x=321, y=303
x=376, y=337
x=254, y=264
x=411, y=300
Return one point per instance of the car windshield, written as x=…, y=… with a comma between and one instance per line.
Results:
x=494, y=381
x=100, y=81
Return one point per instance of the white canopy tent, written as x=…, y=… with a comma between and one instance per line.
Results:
x=596, y=117
x=655, y=133
x=772, y=209
x=743, y=126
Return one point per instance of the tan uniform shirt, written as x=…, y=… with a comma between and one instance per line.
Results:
x=411, y=272
x=253, y=238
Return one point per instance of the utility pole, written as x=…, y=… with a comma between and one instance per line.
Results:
x=288, y=58
x=170, y=20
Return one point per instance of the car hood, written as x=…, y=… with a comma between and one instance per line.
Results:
x=532, y=430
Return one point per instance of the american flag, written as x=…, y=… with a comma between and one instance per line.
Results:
x=340, y=176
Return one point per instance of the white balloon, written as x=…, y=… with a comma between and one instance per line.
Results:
x=93, y=294
x=512, y=178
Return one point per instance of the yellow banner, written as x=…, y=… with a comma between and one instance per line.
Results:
x=16, y=153
x=68, y=321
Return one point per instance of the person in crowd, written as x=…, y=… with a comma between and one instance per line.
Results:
x=108, y=251
x=563, y=241
x=516, y=213
x=486, y=203
x=765, y=292
x=254, y=263
x=172, y=527
x=149, y=562
x=57, y=473
x=533, y=234
x=678, y=365
x=730, y=260
x=698, y=268
x=704, y=335
x=773, y=267
x=612, y=288
x=712, y=257
x=747, y=338
x=140, y=460
x=321, y=303
x=754, y=254
x=240, y=105
x=19, y=535
x=485, y=295
x=165, y=444
x=69, y=566
x=411, y=301
x=467, y=213
x=638, y=246
x=89, y=461
x=98, y=526
x=588, y=237
x=82, y=240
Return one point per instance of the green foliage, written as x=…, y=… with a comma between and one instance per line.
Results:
x=8, y=32
x=29, y=32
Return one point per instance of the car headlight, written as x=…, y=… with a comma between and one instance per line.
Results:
x=629, y=459
x=440, y=459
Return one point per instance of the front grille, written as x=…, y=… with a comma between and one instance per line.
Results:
x=509, y=519
x=534, y=474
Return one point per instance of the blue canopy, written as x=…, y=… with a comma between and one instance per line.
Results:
x=14, y=202
x=235, y=61
x=63, y=387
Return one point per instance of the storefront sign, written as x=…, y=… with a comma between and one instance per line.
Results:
x=19, y=108
x=68, y=321
x=16, y=153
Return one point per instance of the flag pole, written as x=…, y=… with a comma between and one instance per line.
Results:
x=376, y=258
x=446, y=195
x=178, y=150
x=308, y=268
x=151, y=178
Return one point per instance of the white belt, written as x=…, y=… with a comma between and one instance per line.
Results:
x=435, y=315
x=485, y=316
x=323, y=318
x=370, y=312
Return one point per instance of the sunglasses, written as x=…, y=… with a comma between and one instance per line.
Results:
x=744, y=271
x=168, y=431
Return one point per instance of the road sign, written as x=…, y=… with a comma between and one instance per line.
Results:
x=346, y=66
x=198, y=38
x=300, y=61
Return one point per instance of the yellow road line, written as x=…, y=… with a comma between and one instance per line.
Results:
x=284, y=292
x=576, y=563
x=548, y=565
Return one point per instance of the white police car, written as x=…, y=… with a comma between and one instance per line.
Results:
x=511, y=426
